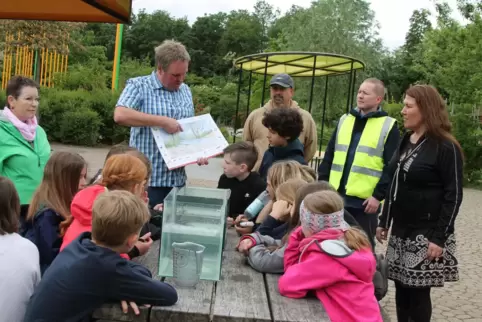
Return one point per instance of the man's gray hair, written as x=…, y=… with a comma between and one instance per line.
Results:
x=170, y=51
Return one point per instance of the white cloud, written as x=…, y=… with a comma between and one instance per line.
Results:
x=392, y=15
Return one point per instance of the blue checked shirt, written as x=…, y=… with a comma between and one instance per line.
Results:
x=147, y=95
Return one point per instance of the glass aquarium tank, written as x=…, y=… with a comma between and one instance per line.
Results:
x=197, y=215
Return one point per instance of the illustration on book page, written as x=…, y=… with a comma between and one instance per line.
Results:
x=200, y=138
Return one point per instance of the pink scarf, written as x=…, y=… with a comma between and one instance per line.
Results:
x=28, y=129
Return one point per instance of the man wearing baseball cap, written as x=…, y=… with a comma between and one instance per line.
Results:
x=281, y=92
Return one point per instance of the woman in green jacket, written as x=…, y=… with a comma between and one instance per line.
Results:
x=24, y=148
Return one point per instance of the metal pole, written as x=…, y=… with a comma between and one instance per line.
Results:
x=312, y=84
x=249, y=93
x=264, y=80
x=348, y=99
x=325, y=98
x=117, y=57
x=240, y=80
x=353, y=88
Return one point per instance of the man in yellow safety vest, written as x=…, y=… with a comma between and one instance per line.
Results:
x=356, y=158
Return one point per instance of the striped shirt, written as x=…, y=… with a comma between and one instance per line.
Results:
x=147, y=95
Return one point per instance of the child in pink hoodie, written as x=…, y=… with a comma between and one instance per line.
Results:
x=334, y=261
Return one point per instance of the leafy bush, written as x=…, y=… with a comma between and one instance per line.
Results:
x=80, y=126
x=56, y=104
x=3, y=99
x=90, y=77
x=468, y=131
x=394, y=110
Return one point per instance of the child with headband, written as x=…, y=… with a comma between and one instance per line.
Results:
x=336, y=262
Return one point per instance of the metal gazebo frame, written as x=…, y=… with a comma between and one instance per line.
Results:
x=300, y=65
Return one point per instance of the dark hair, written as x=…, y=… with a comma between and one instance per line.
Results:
x=59, y=185
x=243, y=152
x=9, y=207
x=17, y=83
x=434, y=113
x=286, y=121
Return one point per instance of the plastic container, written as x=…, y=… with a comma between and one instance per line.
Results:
x=187, y=263
x=195, y=215
x=257, y=205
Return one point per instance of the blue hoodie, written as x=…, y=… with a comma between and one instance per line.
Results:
x=84, y=276
x=293, y=151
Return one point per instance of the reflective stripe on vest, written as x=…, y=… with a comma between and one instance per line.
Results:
x=368, y=163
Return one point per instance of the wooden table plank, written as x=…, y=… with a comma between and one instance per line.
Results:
x=194, y=304
x=241, y=293
x=113, y=313
x=289, y=310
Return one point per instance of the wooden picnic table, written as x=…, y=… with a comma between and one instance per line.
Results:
x=242, y=294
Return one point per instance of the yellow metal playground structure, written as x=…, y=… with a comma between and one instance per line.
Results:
x=41, y=63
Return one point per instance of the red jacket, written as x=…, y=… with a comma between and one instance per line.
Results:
x=81, y=210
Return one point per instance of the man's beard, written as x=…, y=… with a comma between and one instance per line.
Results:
x=278, y=99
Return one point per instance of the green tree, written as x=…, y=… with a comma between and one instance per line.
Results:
x=206, y=34
x=243, y=34
x=267, y=16
x=329, y=26
x=148, y=30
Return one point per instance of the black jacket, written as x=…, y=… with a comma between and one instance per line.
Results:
x=426, y=188
x=243, y=192
x=84, y=276
x=390, y=146
x=293, y=151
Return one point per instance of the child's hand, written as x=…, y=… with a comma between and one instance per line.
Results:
x=281, y=209
x=239, y=219
x=135, y=308
x=144, y=243
x=229, y=222
x=159, y=207
x=245, y=245
x=243, y=230
x=145, y=198
x=125, y=307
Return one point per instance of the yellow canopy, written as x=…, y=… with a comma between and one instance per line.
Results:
x=298, y=64
x=113, y=11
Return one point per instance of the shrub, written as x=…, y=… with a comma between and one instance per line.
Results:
x=468, y=131
x=80, y=127
x=91, y=77
x=394, y=110
x=3, y=99
x=53, y=105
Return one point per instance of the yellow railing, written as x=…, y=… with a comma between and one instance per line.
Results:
x=20, y=60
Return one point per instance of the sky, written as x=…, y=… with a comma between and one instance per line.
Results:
x=392, y=15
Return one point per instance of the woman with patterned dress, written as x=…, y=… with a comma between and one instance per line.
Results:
x=421, y=205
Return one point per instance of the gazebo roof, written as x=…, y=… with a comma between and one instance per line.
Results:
x=111, y=11
x=298, y=64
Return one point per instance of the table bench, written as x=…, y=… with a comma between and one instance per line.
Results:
x=242, y=295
